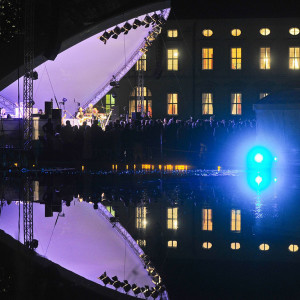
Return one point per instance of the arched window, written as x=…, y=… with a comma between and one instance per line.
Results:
x=293, y=248
x=235, y=246
x=264, y=31
x=137, y=105
x=294, y=31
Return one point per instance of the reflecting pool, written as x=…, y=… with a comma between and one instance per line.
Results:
x=208, y=235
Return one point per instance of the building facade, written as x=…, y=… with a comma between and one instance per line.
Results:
x=208, y=67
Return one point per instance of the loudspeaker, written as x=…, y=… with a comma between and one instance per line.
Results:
x=136, y=115
x=48, y=109
x=56, y=114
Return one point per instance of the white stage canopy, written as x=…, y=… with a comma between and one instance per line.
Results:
x=83, y=71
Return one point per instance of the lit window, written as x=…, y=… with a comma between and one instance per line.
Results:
x=236, y=32
x=141, y=63
x=294, y=58
x=137, y=105
x=207, y=104
x=172, y=218
x=265, y=59
x=264, y=31
x=207, y=223
x=207, y=58
x=263, y=95
x=236, y=104
x=141, y=243
x=172, y=59
x=294, y=31
x=293, y=248
x=110, y=102
x=264, y=247
x=235, y=220
x=172, y=104
x=141, y=221
x=207, y=32
x=172, y=33
x=172, y=244
x=207, y=245
x=111, y=210
x=236, y=58
x=235, y=246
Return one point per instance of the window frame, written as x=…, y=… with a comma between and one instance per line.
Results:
x=294, y=58
x=172, y=31
x=142, y=61
x=172, y=61
x=207, y=60
x=265, y=62
x=209, y=104
x=237, y=61
x=234, y=102
x=170, y=102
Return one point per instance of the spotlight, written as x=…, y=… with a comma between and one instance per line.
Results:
x=258, y=180
x=115, y=278
x=154, y=294
x=155, y=18
x=157, y=29
x=126, y=32
x=258, y=158
x=136, y=23
x=115, y=36
x=136, y=290
x=147, y=20
x=117, y=30
x=127, y=26
x=126, y=286
x=116, y=284
x=106, y=280
x=106, y=35
x=102, y=276
x=147, y=292
x=161, y=20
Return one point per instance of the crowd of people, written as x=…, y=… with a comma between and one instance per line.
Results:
x=144, y=141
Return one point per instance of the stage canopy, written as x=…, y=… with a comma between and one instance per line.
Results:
x=83, y=70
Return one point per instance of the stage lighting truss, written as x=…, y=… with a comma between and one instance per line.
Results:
x=156, y=20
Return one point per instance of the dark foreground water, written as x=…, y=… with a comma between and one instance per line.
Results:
x=210, y=237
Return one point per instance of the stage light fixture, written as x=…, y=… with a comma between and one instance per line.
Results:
x=127, y=26
x=106, y=35
x=114, y=278
x=148, y=19
x=117, y=30
x=116, y=284
x=147, y=293
x=155, y=18
x=115, y=36
x=157, y=29
x=258, y=180
x=161, y=20
x=154, y=294
x=106, y=280
x=136, y=23
x=136, y=290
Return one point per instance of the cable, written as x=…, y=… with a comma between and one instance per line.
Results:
x=52, y=233
x=51, y=86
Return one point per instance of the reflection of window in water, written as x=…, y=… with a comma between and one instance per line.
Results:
x=207, y=245
x=172, y=244
x=111, y=210
x=141, y=243
x=235, y=246
x=264, y=247
x=236, y=220
x=172, y=218
x=141, y=221
x=293, y=248
x=207, y=223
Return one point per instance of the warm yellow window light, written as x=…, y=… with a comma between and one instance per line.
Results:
x=294, y=31
x=236, y=58
x=207, y=58
x=141, y=243
x=172, y=218
x=172, y=59
x=264, y=247
x=207, y=245
x=207, y=104
x=207, y=223
x=264, y=31
x=293, y=248
x=235, y=246
x=172, y=33
x=141, y=64
x=172, y=105
x=141, y=221
x=236, y=104
x=207, y=32
x=265, y=58
x=294, y=58
x=235, y=220
x=172, y=244
x=236, y=32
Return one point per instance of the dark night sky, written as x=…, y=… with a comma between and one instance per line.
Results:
x=234, y=9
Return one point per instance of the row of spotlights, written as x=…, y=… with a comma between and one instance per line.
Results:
x=147, y=291
x=154, y=19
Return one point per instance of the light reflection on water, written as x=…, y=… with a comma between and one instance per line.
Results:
x=203, y=218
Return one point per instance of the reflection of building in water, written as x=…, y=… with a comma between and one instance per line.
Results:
x=207, y=223
x=182, y=222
